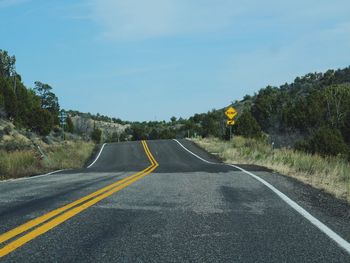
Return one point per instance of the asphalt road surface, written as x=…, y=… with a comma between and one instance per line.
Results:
x=157, y=202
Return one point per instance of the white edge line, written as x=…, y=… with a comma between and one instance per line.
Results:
x=98, y=156
x=193, y=153
x=325, y=229
x=31, y=177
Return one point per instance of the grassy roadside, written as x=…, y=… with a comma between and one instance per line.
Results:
x=331, y=174
x=65, y=155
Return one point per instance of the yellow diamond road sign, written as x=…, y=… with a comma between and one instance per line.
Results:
x=231, y=113
x=230, y=122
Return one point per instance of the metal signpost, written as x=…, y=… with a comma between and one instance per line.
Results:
x=231, y=113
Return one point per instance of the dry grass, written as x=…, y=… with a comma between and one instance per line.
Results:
x=60, y=156
x=68, y=155
x=18, y=163
x=331, y=174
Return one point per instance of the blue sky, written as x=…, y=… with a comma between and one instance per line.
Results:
x=147, y=60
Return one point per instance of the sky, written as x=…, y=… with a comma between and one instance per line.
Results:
x=150, y=60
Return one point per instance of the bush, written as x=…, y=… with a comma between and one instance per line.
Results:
x=325, y=141
x=11, y=146
x=7, y=130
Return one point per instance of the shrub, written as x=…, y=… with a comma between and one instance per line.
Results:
x=11, y=146
x=41, y=121
x=7, y=130
x=247, y=126
x=325, y=141
x=346, y=128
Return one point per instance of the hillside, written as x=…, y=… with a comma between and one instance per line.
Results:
x=112, y=129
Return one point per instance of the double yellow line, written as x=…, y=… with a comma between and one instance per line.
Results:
x=22, y=234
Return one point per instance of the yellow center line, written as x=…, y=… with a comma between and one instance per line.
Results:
x=77, y=207
x=149, y=154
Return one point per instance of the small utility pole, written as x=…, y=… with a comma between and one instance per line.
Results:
x=14, y=78
x=63, y=117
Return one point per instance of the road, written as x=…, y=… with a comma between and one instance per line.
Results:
x=155, y=201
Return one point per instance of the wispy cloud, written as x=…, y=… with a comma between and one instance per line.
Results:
x=136, y=19
x=8, y=3
x=139, y=19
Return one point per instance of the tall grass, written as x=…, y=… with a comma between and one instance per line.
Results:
x=331, y=174
x=65, y=155
x=18, y=163
x=68, y=155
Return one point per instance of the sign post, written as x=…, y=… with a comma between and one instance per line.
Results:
x=231, y=113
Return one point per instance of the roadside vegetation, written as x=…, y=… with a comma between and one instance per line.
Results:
x=26, y=162
x=330, y=173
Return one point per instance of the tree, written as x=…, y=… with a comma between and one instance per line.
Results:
x=49, y=100
x=7, y=64
x=41, y=121
x=265, y=106
x=247, y=126
x=211, y=124
x=96, y=135
x=154, y=135
x=167, y=134
x=9, y=97
x=337, y=99
x=69, y=127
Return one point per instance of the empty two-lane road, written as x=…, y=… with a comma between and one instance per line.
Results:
x=155, y=202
